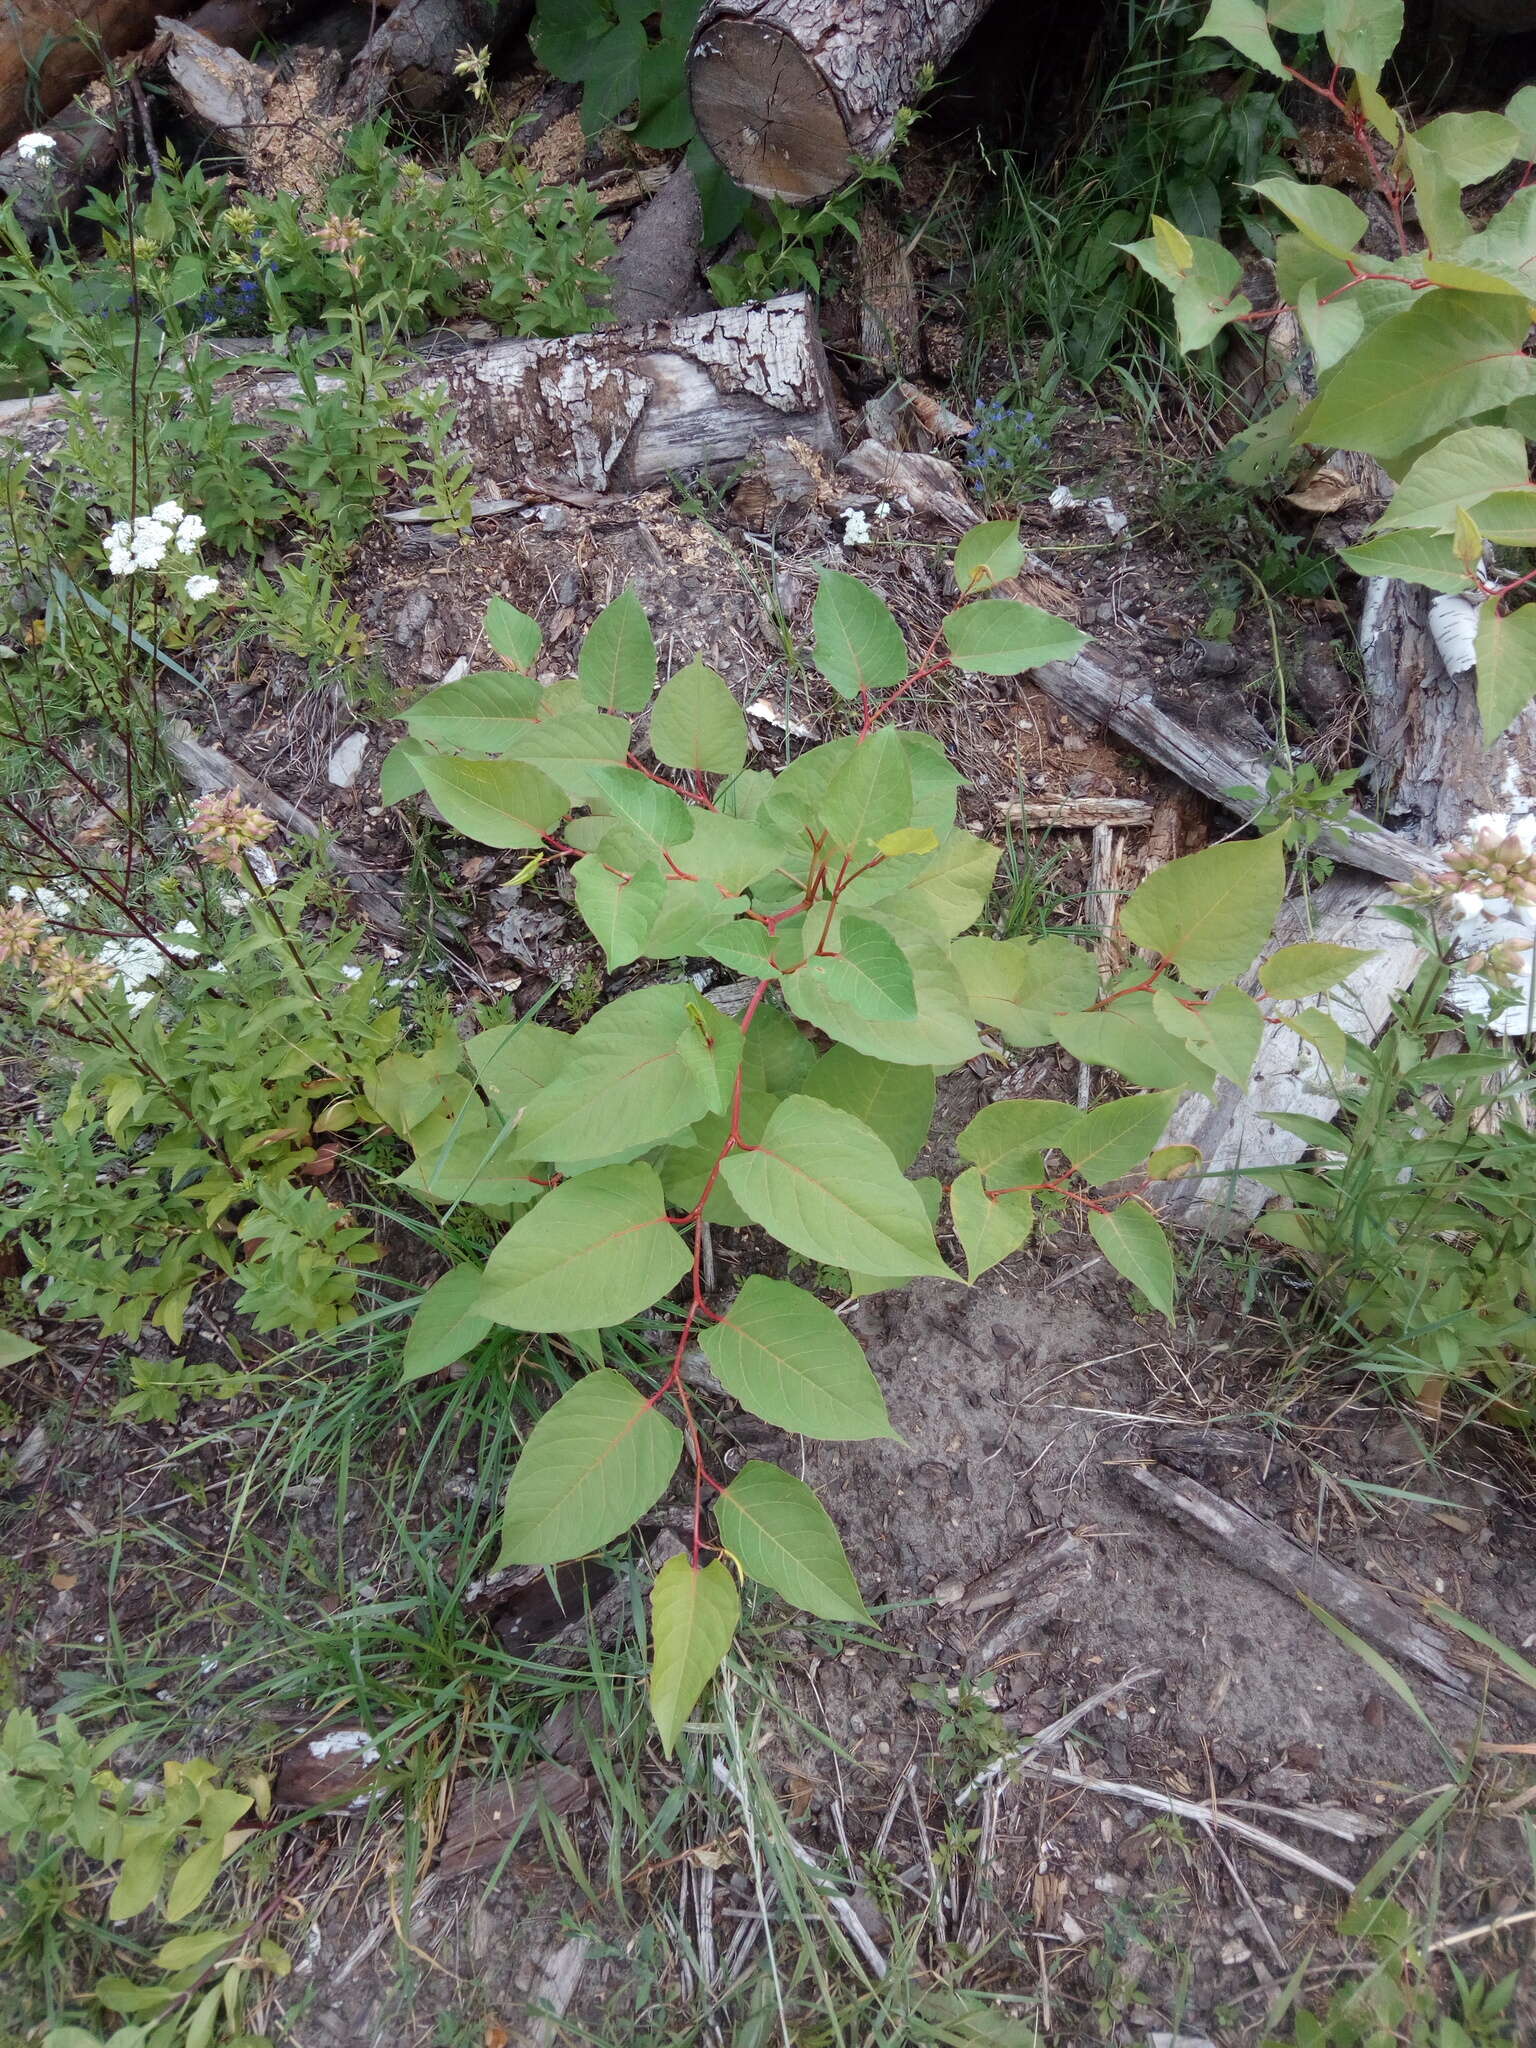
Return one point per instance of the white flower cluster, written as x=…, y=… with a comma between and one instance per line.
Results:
x=856, y=533
x=35, y=148
x=1495, y=913
x=144, y=543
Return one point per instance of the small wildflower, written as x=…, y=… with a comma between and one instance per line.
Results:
x=167, y=512
x=883, y=509
x=67, y=977
x=339, y=232
x=36, y=147
x=20, y=931
x=240, y=219
x=189, y=531
x=856, y=533
x=199, y=587
x=223, y=829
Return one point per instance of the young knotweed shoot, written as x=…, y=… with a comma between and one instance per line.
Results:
x=843, y=894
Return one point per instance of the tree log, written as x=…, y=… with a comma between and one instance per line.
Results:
x=408, y=60
x=89, y=142
x=615, y=410
x=54, y=47
x=788, y=94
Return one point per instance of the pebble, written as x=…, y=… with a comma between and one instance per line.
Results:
x=346, y=761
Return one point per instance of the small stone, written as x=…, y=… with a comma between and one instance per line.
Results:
x=346, y=762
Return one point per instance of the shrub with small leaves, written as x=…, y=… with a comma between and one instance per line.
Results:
x=842, y=893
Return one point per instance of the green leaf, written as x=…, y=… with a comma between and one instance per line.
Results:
x=868, y=971
x=1225, y=1032
x=1172, y=1162
x=1459, y=470
x=696, y=724
x=515, y=637
x=194, y=1880
x=512, y=1062
x=1362, y=34
x=1003, y=636
x=14, y=1349
x=1006, y=1137
x=1208, y=299
x=618, y=909
x=859, y=645
x=1509, y=517
x=1411, y=556
x=447, y=1324
x=988, y=555
x=185, y=1951
x=656, y=815
x=1210, y=912
x=1128, y=1038
x=1506, y=665
x=1326, y=1034
x=1469, y=147
x=1022, y=986
x=1117, y=1136
x=623, y=1085
x=569, y=745
x=790, y=1361
x=1448, y=355
x=896, y=1102
x=617, y=664
x=498, y=803
x=1521, y=112
x=990, y=1227
x=781, y=1535
x=138, y=1879
x=466, y=1154
x=944, y=892
x=693, y=1619
x=910, y=839
x=204, y=2018
x=1310, y=968
x=400, y=772
x=1241, y=23
x=594, y=1251
x=482, y=713
x=1136, y=1244
x=823, y=1184
x=593, y=1465
x=1327, y=219
x=730, y=852
x=941, y=1035
x=870, y=794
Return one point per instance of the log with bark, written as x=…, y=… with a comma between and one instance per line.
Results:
x=90, y=139
x=54, y=47
x=790, y=94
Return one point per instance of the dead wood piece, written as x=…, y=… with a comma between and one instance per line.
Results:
x=620, y=409
x=1265, y=1552
x=655, y=269
x=1046, y=1579
x=925, y=485
x=208, y=771
x=221, y=90
x=789, y=93
x=54, y=47
x=409, y=59
x=91, y=136
x=1079, y=813
x=906, y=416
x=484, y=1821
x=889, y=309
x=1103, y=688
x=1233, y=1128
x=1430, y=766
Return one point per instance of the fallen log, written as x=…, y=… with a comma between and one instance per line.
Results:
x=89, y=140
x=1102, y=687
x=224, y=92
x=1266, y=1553
x=409, y=59
x=54, y=47
x=790, y=94
x=616, y=410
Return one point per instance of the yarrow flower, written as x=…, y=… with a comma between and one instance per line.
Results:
x=137, y=544
x=189, y=531
x=20, y=931
x=856, y=533
x=36, y=148
x=223, y=829
x=199, y=587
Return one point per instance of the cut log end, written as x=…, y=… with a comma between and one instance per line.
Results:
x=766, y=112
